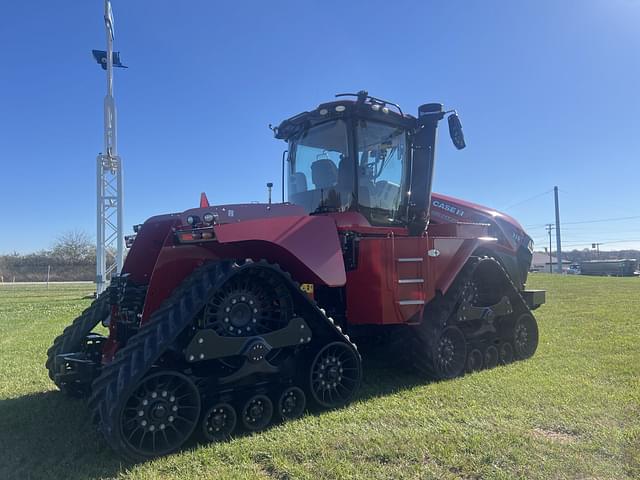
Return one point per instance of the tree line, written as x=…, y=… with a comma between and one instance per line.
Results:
x=577, y=256
x=71, y=258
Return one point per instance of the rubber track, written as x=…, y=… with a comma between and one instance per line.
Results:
x=439, y=313
x=73, y=335
x=121, y=376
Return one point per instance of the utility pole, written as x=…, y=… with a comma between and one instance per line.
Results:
x=110, y=234
x=558, y=243
x=596, y=247
x=549, y=228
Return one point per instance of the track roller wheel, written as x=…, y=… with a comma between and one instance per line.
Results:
x=257, y=413
x=219, y=422
x=335, y=375
x=474, y=361
x=450, y=353
x=525, y=336
x=291, y=403
x=160, y=415
x=505, y=353
x=491, y=356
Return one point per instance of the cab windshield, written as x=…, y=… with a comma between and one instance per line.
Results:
x=381, y=172
x=319, y=169
x=322, y=169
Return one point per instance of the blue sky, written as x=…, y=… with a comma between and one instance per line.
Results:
x=547, y=91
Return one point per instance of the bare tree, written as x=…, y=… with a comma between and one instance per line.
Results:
x=74, y=245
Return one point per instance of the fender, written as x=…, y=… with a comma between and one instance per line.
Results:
x=454, y=244
x=147, y=246
x=308, y=247
x=453, y=254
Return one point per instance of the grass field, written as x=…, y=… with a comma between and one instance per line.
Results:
x=572, y=411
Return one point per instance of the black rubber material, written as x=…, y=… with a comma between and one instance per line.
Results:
x=160, y=414
x=525, y=336
x=491, y=357
x=419, y=344
x=450, y=353
x=291, y=403
x=335, y=375
x=256, y=413
x=119, y=378
x=505, y=353
x=253, y=303
x=219, y=422
x=72, y=338
x=475, y=361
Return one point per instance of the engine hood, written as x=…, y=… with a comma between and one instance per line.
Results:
x=446, y=209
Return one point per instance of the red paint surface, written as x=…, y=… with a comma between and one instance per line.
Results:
x=307, y=247
x=144, y=252
x=504, y=225
x=356, y=222
x=373, y=290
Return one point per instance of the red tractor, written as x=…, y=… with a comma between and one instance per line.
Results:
x=226, y=318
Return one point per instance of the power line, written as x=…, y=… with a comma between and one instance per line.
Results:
x=613, y=219
x=527, y=200
x=603, y=220
x=602, y=243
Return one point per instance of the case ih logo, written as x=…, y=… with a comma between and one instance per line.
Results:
x=448, y=208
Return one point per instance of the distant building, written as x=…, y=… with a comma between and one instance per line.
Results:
x=540, y=263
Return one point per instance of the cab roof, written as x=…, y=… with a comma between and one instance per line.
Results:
x=369, y=109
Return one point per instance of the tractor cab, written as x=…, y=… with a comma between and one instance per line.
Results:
x=364, y=155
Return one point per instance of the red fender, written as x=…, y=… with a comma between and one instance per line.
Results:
x=306, y=246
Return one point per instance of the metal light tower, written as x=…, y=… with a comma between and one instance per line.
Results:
x=110, y=234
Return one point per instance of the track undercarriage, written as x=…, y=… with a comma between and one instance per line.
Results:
x=481, y=322
x=238, y=346
x=234, y=347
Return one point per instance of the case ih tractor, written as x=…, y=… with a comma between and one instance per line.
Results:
x=227, y=318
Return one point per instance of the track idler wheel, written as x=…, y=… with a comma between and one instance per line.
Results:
x=291, y=403
x=450, y=353
x=506, y=353
x=525, y=336
x=335, y=375
x=257, y=413
x=219, y=422
x=475, y=361
x=491, y=357
x=160, y=415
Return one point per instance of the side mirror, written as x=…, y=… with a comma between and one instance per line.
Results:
x=455, y=131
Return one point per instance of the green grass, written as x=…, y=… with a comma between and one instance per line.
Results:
x=572, y=411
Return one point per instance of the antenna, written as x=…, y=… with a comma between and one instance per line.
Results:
x=110, y=234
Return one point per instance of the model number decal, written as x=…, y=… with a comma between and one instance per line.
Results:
x=449, y=208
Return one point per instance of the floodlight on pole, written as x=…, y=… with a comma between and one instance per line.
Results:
x=110, y=234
